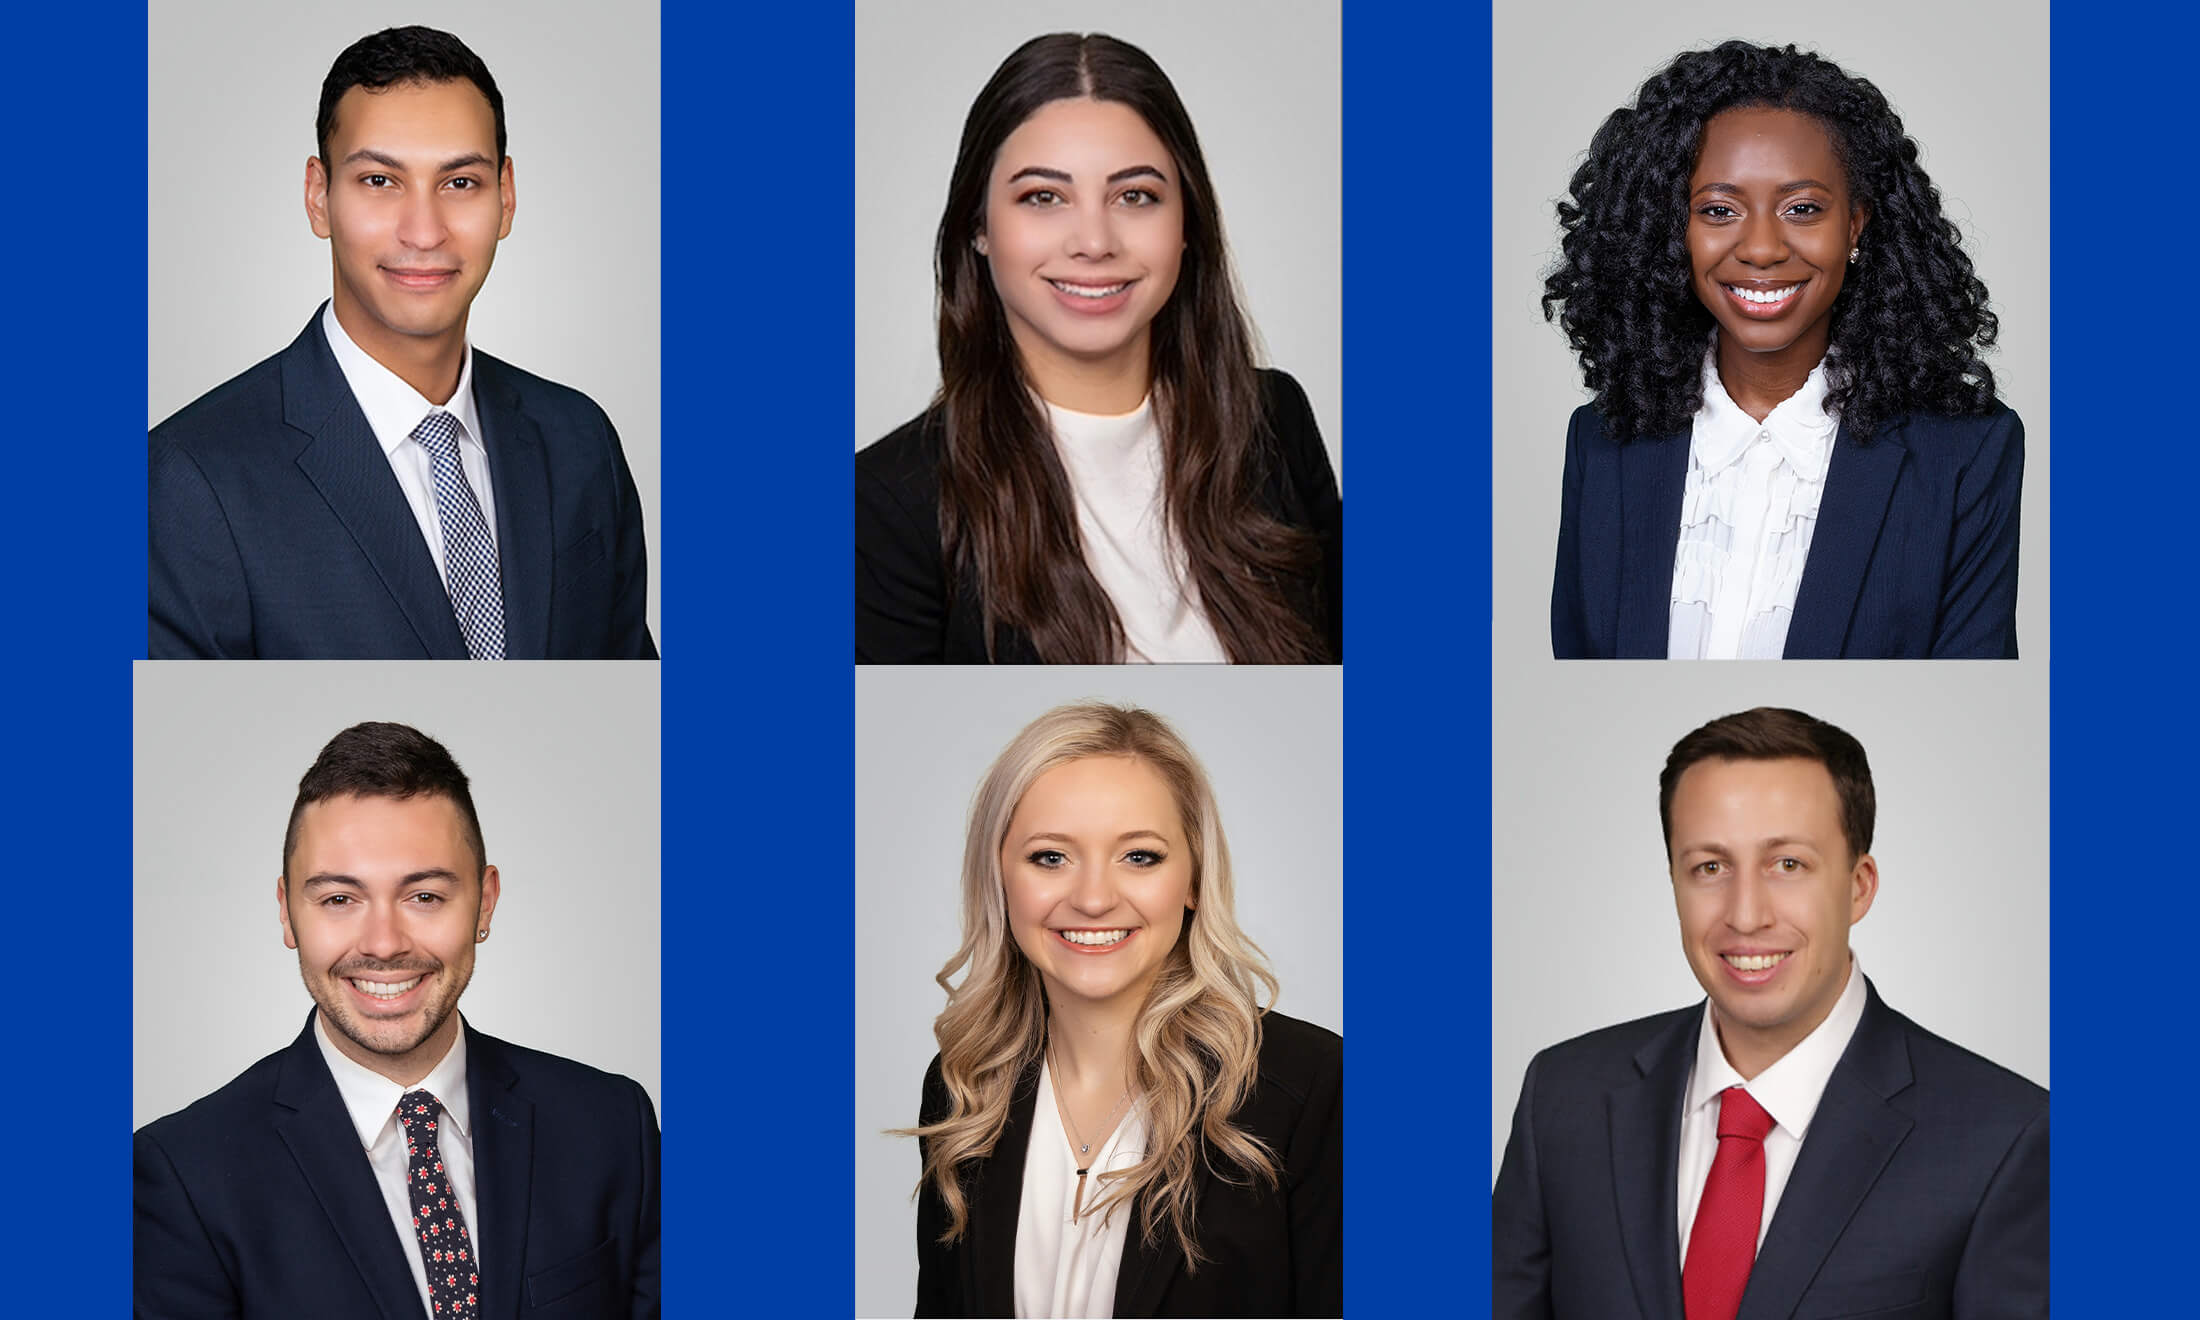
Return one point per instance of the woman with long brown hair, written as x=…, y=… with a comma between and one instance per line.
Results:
x=1104, y=475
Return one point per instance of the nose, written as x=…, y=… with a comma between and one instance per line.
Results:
x=420, y=226
x=382, y=934
x=1761, y=242
x=1094, y=894
x=1092, y=232
x=1748, y=906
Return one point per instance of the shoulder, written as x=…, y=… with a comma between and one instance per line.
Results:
x=1969, y=1087
x=910, y=453
x=1959, y=440
x=933, y=1106
x=558, y=1081
x=236, y=415
x=1289, y=415
x=1298, y=1060
x=541, y=397
x=1588, y=1059
x=219, y=1118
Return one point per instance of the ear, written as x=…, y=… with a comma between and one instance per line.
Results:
x=1863, y=887
x=504, y=186
x=491, y=887
x=282, y=911
x=317, y=196
x=1859, y=216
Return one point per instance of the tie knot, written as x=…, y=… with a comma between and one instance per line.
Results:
x=438, y=432
x=1739, y=1115
x=417, y=1111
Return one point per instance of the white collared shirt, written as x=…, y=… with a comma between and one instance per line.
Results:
x=1789, y=1091
x=1747, y=515
x=1066, y=1263
x=371, y=1100
x=1114, y=466
x=394, y=410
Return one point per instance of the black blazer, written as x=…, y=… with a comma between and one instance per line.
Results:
x=258, y=1202
x=1919, y=1194
x=277, y=531
x=905, y=612
x=1269, y=1253
x=1914, y=557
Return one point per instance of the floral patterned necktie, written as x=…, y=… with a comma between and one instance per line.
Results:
x=454, y=1285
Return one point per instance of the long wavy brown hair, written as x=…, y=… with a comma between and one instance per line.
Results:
x=1007, y=514
x=1197, y=1036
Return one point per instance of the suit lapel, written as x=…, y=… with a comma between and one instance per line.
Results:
x=1859, y=480
x=1645, y=1117
x=521, y=479
x=1653, y=477
x=312, y=1122
x=996, y=1201
x=504, y=1158
x=346, y=465
x=1851, y=1138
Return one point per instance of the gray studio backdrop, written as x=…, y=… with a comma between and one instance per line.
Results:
x=1973, y=94
x=1582, y=929
x=564, y=762
x=1272, y=742
x=233, y=273
x=1262, y=81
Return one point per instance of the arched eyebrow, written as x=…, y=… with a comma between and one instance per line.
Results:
x=471, y=158
x=1063, y=176
x=1731, y=190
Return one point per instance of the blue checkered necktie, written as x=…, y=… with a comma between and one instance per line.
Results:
x=454, y=1280
x=469, y=552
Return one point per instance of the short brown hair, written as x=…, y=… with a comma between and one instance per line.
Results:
x=386, y=761
x=1774, y=733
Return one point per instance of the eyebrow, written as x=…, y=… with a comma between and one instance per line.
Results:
x=1796, y=186
x=1064, y=838
x=1063, y=176
x=1720, y=849
x=328, y=879
x=392, y=162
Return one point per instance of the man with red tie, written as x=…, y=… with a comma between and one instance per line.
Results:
x=1793, y=1149
x=393, y=1162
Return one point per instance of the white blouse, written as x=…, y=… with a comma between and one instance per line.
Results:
x=1747, y=514
x=1114, y=466
x=1066, y=1263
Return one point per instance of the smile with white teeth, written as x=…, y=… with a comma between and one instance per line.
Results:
x=1090, y=290
x=1766, y=296
x=1098, y=938
x=1753, y=962
x=384, y=989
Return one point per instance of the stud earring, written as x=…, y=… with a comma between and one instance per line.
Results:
x=1854, y=253
x=980, y=244
x=480, y=935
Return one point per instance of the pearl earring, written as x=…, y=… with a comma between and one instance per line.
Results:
x=481, y=935
x=980, y=244
x=1854, y=253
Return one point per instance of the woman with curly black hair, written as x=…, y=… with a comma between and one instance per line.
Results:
x=1795, y=448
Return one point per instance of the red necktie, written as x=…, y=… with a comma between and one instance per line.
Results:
x=1723, y=1244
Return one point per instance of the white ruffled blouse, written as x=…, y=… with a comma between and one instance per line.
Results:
x=1747, y=514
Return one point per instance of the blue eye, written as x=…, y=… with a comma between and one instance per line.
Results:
x=1144, y=857
x=1048, y=858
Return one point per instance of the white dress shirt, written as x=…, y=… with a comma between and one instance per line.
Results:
x=1066, y=1264
x=1114, y=466
x=371, y=1100
x=1747, y=515
x=395, y=409
x=1789, y=1091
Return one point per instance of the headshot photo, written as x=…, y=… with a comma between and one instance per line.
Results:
x=452, y=920
x=1095, y=424
x=1792, y=287
x=1099, y=1062
x=407, y=479
x=1827, y=1096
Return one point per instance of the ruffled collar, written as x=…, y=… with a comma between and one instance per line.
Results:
x=1800, y=428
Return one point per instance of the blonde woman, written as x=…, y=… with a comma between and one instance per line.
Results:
x=1114, y=1126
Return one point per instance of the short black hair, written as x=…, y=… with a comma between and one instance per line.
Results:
x=1774, y=733
x=389, y=761
x=402, y=55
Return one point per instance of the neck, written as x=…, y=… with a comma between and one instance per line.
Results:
x=1105, y=387
x=1092, y=1044
x=1760, y=382
x=428, y=363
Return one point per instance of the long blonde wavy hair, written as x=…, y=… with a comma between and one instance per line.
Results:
x=1197, y=1035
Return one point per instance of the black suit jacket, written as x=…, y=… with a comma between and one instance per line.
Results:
x=906, y=613
x=277, y=530
x=1914, y=556
x=1269, y=1252
x=257, y=1201
x=1920, y=1192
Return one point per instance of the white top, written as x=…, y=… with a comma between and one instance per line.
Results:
x=1114, y=466
x=1066, y=1266
x=394, y=409
x=1747, y=516
x=1789, y=1091
x=371, y=1100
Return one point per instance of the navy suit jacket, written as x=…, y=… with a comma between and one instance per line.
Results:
x=278, y=531
x=1914, y=556
x=1271, y=1251
x=1920, y=1192
x=258, y=1202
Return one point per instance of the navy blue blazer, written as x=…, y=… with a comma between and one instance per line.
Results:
x=258, y=1202
x=1919, y=1194
x=277, y=530
x=1914, y=557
